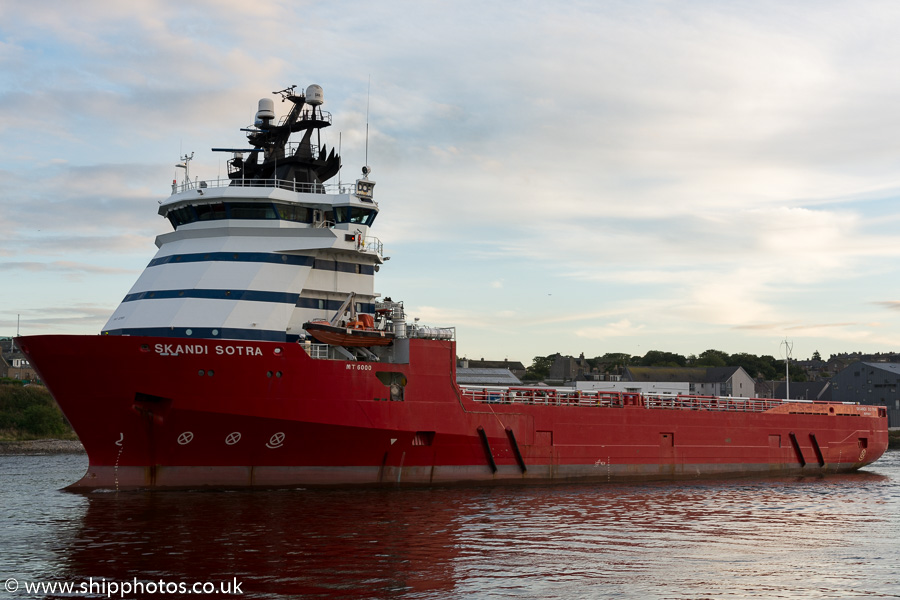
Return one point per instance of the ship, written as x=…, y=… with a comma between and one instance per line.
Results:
x=254, y=351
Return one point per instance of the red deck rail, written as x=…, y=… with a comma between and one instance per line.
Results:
x=555, y=397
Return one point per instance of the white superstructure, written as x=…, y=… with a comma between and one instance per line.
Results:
x=259, y=254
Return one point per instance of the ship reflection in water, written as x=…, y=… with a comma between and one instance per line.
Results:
x=784, y=538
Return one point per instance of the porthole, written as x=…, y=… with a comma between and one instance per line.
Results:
x=277, y=373
x=215, y=332
x=201, y=373
x=277, y=350
x=269, y=374
x=188, y=332
x=210, y=373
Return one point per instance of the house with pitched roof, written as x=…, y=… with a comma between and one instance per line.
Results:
x=702, y=381
x=513, y=366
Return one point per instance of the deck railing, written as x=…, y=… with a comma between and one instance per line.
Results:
x=284, y=184
x=555, y=397
x=319, y=351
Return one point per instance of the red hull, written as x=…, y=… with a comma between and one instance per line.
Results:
x=189, y=413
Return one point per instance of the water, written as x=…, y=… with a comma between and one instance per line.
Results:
x=781, y=538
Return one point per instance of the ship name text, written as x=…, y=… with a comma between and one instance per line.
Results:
x=218, y=349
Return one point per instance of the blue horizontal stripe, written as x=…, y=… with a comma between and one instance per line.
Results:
x=313, y=303
x=206, y=333
x=261, y=257
x=248, y=296
x=264, y=257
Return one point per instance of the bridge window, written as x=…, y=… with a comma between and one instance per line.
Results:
x=182, y=215
x=251, y=210
x=210, y=212
x=354, y=214
x=265, y=210
x=292, y=212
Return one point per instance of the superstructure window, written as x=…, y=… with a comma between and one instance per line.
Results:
x=354, y=214
x=239, y=210
x=210, y=212
x=251, y=210
x=182, y=215
x=292, y=212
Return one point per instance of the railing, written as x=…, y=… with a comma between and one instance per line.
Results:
x=308, y=115
x=284, y=184
x=373, y=244
x=555, y=397
x=318, y=351
x=290, y=149
x=719, y=403
x=329, y=352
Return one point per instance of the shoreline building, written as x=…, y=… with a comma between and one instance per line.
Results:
x=873, y=383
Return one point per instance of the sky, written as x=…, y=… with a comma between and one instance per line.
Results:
x=578, y=177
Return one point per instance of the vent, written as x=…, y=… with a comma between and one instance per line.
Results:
x=423, y=438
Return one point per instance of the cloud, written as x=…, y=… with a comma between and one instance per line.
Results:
x=623, y=328
x=83, y=209
x=64, y=267
x=718, y=169
x=75, y=318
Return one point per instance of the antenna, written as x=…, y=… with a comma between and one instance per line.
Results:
x=286, y=92
x=368, y=94
x=788, y=346
x=186, y=165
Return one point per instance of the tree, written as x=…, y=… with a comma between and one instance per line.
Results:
x=796, y=371
x=657, y=358
x=712, y=358
x=816, y=355
x=539, y=369
x=612, y=362
x=758, y=367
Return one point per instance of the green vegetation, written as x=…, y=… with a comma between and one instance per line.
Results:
x=30, y=413
x=657, y=358
x=539, y=369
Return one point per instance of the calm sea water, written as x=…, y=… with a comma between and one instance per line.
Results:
x=836, y=537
